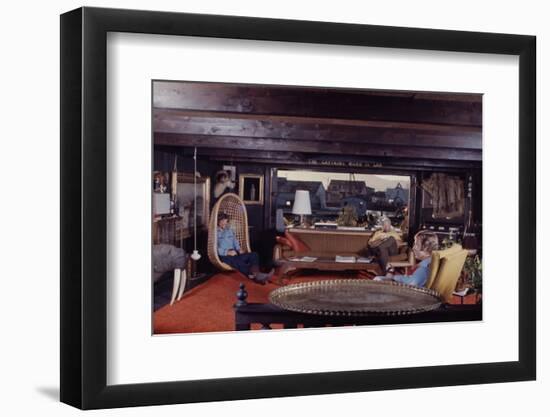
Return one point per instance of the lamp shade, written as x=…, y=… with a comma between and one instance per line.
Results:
x=302, y=203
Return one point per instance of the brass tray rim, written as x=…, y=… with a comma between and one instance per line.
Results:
x=273, y=298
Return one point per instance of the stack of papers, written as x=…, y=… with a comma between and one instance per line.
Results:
x=462, y=293
x=325, y=225
x=364, y=260
x=303, y=259
x=345, y=259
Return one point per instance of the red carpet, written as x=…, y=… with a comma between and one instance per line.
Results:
x=209, y=307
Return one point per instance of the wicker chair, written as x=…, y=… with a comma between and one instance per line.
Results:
x=234, y=207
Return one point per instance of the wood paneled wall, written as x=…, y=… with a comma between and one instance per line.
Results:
x=260, y=127
x=261, y=121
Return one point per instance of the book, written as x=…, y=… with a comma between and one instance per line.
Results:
x=462, y=293
x=345, y=259
x=364, y=260
x=303, y=259
x=325, y=225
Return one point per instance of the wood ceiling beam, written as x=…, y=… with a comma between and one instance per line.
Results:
x=188, y=115
x=302, y=128
x=302, y=159
x=421, y=107
x=384, y=168
x=239, y=154
x=313, y=146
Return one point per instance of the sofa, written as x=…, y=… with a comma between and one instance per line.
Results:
x=327, y=244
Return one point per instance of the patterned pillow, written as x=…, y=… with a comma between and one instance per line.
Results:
x=295, y=243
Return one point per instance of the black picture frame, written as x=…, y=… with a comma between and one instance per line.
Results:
x=84, y=207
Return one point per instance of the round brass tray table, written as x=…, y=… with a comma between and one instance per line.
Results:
x=354, y=297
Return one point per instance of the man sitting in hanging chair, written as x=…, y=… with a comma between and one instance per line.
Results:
x=229, y=251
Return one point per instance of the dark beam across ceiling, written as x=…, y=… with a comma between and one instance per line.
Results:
x=275, y=120
x=313, y=146
x=305, y=159
x=303, y=128
x=333, y=103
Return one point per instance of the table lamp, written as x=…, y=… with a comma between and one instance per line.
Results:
x=302, y=204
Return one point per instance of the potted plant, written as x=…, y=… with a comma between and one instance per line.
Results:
x=348, y=217
x=473, y=269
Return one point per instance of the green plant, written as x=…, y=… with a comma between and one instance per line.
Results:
x=472, y=267
x=348, y=217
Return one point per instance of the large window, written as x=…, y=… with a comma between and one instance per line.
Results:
x=370, y=196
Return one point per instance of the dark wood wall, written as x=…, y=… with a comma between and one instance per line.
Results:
x=397, y=126
x=347, y=130
x=261, y=233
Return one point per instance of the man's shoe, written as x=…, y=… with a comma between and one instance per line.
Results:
x=262, y=278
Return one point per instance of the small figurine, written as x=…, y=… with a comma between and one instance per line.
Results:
x=252, y=193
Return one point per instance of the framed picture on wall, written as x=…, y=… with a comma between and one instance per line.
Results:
x=187, y=190
x=231, y=171
x=161, y=182
x=251, y=188
x=107, y=336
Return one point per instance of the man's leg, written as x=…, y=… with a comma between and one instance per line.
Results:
x=385, y=250
x=393, y=249
x=382, y=278
x=251, y=259
x=237, y=262
x=383, y=258
x=253, y=262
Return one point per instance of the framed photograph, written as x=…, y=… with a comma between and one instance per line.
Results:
x=251, y=188
x=337, y=133
x=161, y=182
x=232, y=172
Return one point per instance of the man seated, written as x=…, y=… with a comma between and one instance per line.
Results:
x=384, y=243
x=229, y=251
x=424, y=243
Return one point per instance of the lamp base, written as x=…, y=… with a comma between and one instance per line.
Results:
x=302, y=223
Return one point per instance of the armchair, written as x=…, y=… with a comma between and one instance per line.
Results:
x=445, y=268
x=404, y=259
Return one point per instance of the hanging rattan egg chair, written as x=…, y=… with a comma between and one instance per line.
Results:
x=234, y=207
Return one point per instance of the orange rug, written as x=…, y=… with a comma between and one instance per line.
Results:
x=209, y=306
